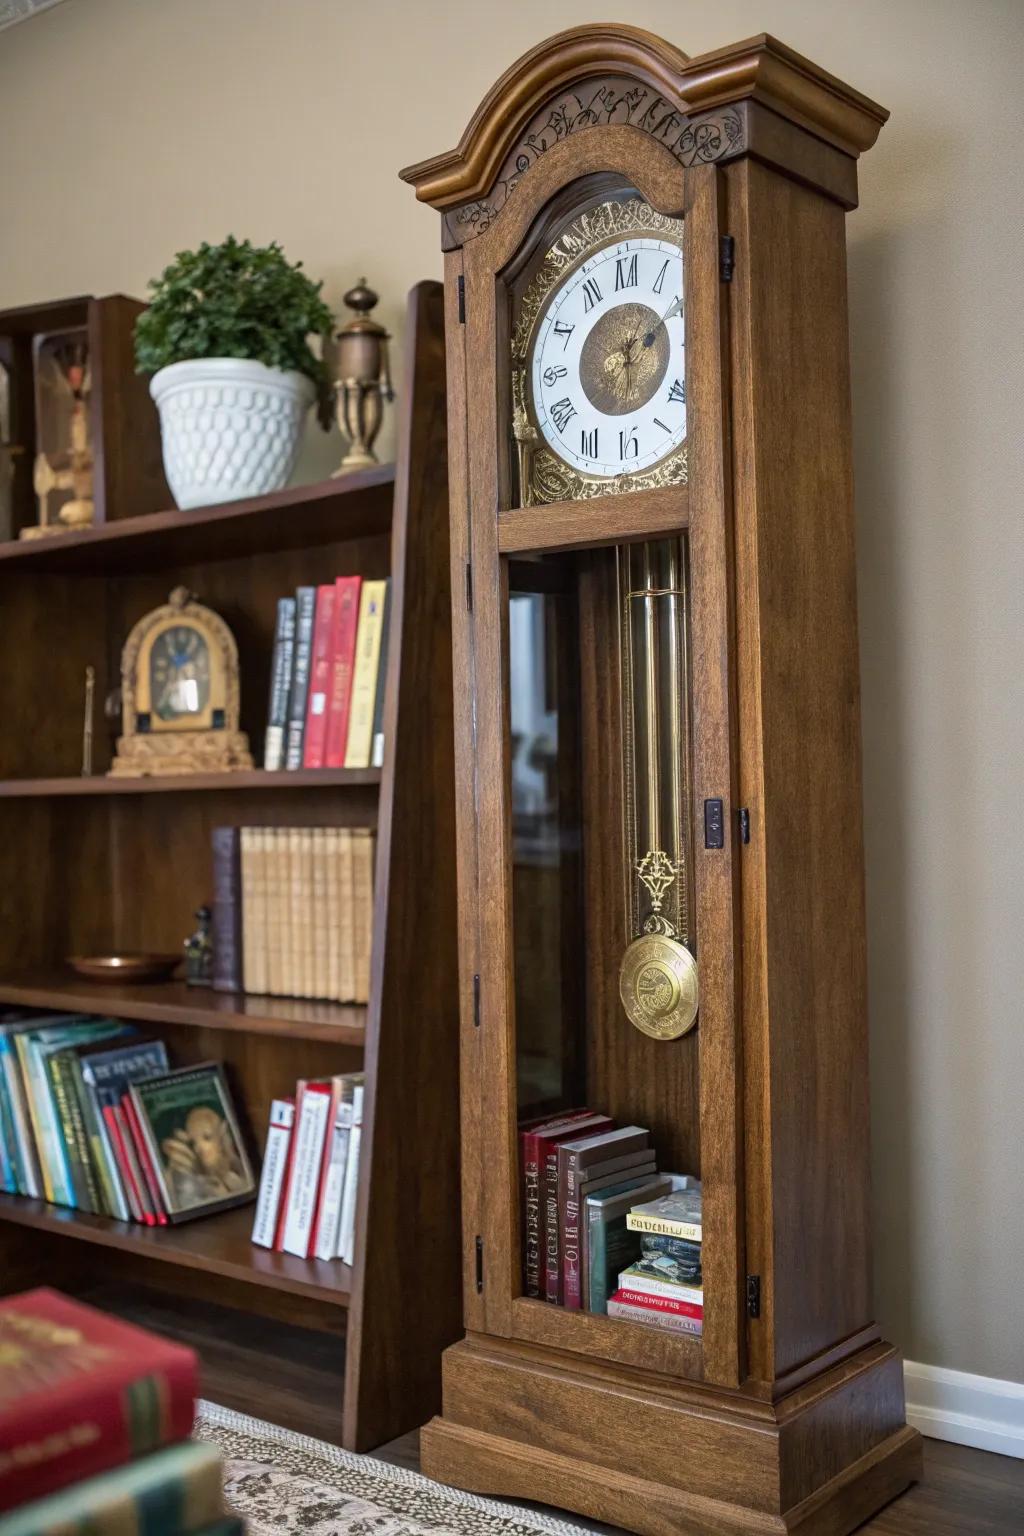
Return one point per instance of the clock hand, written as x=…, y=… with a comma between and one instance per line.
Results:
x=674, y=308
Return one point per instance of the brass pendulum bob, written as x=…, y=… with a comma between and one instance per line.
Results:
x=364, y=379
x=658, y=973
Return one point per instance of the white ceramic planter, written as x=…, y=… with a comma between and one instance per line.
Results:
x=230, y=427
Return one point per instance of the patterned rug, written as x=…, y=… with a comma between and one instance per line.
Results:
x=284, y=1484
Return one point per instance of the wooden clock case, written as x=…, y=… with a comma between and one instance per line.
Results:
x=789, y=1414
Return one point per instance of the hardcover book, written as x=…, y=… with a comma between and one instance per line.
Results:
x=280, y=682
x=364, y=686
x=377, y=747
x=531, y=1175
x=315, y=741
x=193, y=1141
x=655, y=1319
x=313, y=1103
x=81, y=1392
x=594, y=1156
x=547, y=1149
x=177, y=1490
x=343, y=653
x=275, y=1163
x=609, y=1244
x=674, y=1215
x=305, y=613
x=227, y=909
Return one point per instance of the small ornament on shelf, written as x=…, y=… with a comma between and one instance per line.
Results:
x=364, y=379
x=199, y=950
x=64, y=466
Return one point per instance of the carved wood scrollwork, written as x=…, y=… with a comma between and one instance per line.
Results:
x=615, y=99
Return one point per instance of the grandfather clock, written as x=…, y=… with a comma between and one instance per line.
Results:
x=658, y=742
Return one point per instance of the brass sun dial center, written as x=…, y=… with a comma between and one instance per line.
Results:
x=624, y=359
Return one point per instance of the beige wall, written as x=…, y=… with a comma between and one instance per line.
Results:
x=132, y=128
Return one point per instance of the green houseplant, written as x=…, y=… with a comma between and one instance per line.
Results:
x=227, y=339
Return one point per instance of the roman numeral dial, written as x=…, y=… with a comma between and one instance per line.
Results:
x=606, y=377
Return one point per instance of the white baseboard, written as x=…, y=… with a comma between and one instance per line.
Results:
x=971, y=1410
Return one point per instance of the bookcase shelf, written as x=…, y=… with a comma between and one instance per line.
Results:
x=192, y=783
x=217, y=1245
x=300, y=517
x=174, y=1002
x=102, y=865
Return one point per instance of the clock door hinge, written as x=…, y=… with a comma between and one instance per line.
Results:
x=753, y=1295
x=476, y=1000
x=469, y=586
x=462, y=299
x=479, y=1265
x=726, y=258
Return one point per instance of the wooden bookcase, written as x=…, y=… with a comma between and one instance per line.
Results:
x=94, y=864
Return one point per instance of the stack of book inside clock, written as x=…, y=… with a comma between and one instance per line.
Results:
x=664, y=1285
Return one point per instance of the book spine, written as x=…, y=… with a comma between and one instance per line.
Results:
x=260, y=846
x=688, y=1325
x=346, y=1250
x=306, y=934
x=552, y=1230
x=305, y=612
x=569, y=1216
x=83, y=1176
x=637, y=1222
x=332, y=915
x=364, y=682
x=8, y=1179
x=328, y=1229
x=275, y=899
x=530, y=1160
x=634, y=1298
x=280, y=684
x=30, y=1179
x=363, y=843
x=275, y=1163
x=667, y=1290
x=347, y=942
x=304, y=1187
x=315, y=740
x=227, y=909
x=144, y=1159
x=247, y=847
x=343, y=650
x=99, y=1143
x=293, y=969
x=320, y=939
x=131, y=1173
x=377, y=744
x=48, y=1140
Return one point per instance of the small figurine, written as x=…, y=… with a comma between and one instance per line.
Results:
x=199, y=951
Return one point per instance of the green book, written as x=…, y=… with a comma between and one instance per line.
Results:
x=611, y=1246
x=34, y=1047
x=175, y=1492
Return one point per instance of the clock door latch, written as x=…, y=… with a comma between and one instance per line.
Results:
x=462, y=299
x=726, y=258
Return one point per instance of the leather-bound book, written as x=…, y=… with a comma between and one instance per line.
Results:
x=227, y=909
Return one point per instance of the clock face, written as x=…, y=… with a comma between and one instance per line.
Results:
x=607, y=365
x=179, y=675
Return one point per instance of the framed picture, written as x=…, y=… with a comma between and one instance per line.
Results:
x=194, y=1141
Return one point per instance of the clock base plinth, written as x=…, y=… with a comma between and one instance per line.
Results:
x=666, y=1458
x=180, y=752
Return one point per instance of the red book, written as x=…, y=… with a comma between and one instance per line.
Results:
x=156, y=1199
x=314, y=741
x=124, y=1167
x=127, y=1144
x=547, y=1150
x=343, y=654
x=82, y=1392
x=532, y=1175
x=659, y=1303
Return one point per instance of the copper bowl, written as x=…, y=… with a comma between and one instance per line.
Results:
x=116, y=968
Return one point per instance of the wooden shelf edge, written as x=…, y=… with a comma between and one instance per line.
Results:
x=217, y=1245
x=220, y=531
x=191, y=783
x=175, y=1003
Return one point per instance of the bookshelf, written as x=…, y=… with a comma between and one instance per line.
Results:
x=99, y=864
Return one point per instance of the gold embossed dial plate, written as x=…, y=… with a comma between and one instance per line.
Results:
x=599, y=358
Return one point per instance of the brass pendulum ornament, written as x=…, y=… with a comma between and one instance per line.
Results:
x=364, y=379
x=658, y=974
